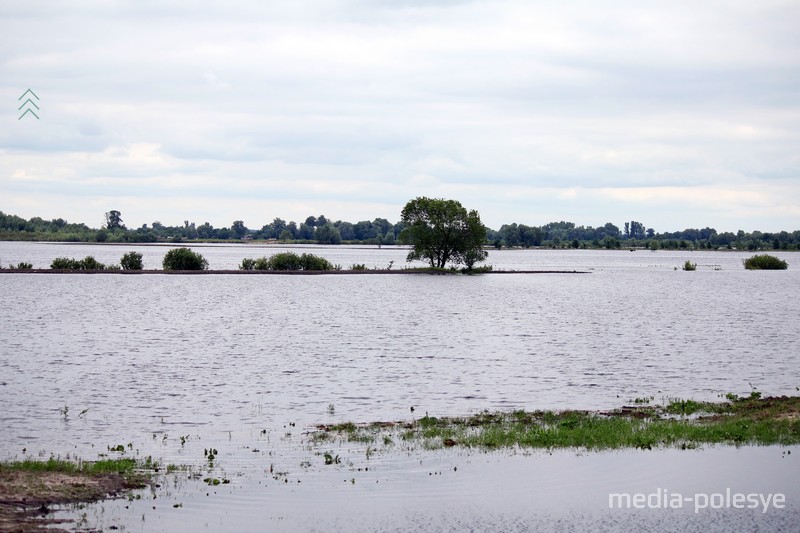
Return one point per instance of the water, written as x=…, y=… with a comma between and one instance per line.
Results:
x=221, y=359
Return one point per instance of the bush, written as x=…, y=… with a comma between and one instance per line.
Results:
x=287, y=261
x=63, y=263
x=313, y=262
x=358, y=266
x=688, y=265
x=87, y=263
x=184, y=259
x=20, y=266
x=131, y=261
x=765, y=262
x=247, y=264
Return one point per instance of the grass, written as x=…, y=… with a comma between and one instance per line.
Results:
x=680, y=423
x=126, y=467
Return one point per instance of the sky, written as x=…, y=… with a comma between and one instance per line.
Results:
x=677, y=114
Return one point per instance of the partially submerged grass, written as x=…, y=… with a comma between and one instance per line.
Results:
x=680, y=423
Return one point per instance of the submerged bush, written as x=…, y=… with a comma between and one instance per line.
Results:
x=131, y=261
x=87, y=263
x=287, y=261
x=688, y=265
x=184, y=259
x=765, y=262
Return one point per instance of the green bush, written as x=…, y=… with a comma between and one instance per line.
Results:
x=184, y=259
x=358, y=266
x=688, y=265
x=247, y=264
x=131, y=261
x=313, y=262
x=765, y=262
x=287, y=261
x=24, y=266
x=87, y=263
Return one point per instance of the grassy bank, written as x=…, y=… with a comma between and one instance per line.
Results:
x=29, y=486
x=679, y=423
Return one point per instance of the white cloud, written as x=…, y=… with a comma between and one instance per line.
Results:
x=526, y=111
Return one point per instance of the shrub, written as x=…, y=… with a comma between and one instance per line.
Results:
x=287, y=261
x=64, y=263
x=282, y=261
x=765, y=262
x=131, y=261
x=87, y=263
x=184, y=259
x=90, y=263
x=358, y=266
x=19, y=266
x=688, y=265
x=247, y=264
x=313, y=262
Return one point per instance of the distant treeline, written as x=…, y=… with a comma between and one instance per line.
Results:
x=380, y=231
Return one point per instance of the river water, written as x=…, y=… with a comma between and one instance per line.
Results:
x=248, y=363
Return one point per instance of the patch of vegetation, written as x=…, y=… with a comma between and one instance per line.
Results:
x=749, y=420
x=765, y=262
x=184, y=259
x=689, y=266
x=287, y=261
x=87, y=263
x=131, y=261
x=358, y=266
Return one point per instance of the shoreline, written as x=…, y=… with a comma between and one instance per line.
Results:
x=283, y=272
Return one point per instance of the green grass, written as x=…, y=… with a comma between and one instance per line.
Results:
x=680, y=423
x=125, y=466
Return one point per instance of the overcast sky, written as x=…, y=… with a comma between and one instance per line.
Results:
x=674, y=113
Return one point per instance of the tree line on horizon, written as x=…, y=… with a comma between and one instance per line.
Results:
x=321, y=230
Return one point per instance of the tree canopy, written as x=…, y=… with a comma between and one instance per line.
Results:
x=442, y=230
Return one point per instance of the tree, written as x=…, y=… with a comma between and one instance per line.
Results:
x=184, y=259
x=114, y=220
x=327, y=234
x=442, y=230
x=238, y=229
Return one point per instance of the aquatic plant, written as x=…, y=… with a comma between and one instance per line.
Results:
x=184, y=259
x=765, y=262
x=688, y=265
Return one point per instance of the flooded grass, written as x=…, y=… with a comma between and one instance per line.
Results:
x=35, y=484
x=679, y=423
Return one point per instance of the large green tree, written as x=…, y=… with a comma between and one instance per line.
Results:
x=442, y=231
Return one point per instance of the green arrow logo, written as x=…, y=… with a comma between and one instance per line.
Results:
x=26, y=102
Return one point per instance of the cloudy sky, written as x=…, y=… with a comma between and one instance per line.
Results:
x=674, y=113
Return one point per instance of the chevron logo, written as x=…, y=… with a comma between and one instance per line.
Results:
x=25, y=104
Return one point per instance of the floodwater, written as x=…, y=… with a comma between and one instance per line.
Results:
x=247, y=364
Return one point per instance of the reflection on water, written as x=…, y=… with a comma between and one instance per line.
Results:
x=220, y=358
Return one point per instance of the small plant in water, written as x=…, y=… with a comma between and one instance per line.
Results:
x=688, y=265
x=331, y=459
x=331, y=409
